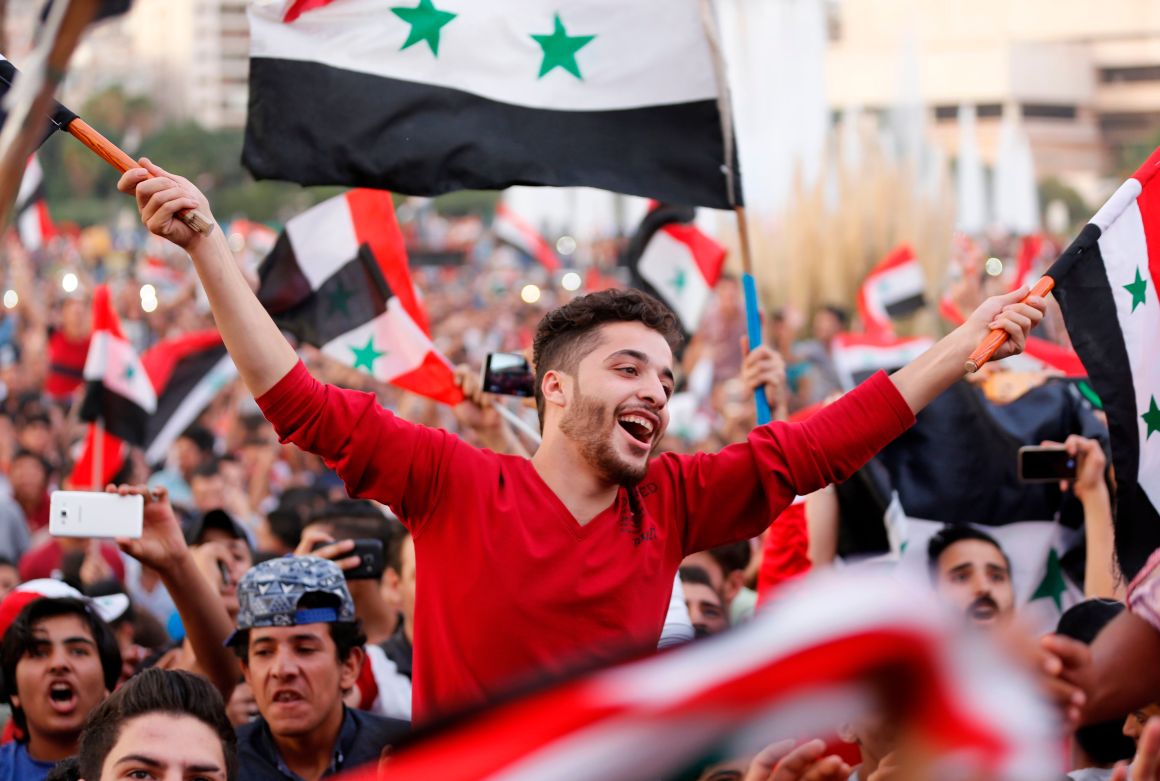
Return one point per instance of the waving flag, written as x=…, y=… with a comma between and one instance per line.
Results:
x=1106, y=287
x=187, y=372
x=675, y=261
x=117, y=391
x=893, y=288
x=33, y=223
x=431, y=96
x=803, y=666
x=512, y=229
x=338, y=279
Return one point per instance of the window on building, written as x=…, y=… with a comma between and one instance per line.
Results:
x=1048, y=111
x=1129, y=74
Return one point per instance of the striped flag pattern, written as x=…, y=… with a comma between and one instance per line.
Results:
x=431, y=96
x=512, y=229
x=34, y=225
x=1106, y=287
x=337, y=279
x=800, y=668
x=893, y=288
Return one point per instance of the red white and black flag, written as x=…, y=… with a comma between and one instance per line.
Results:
x=513, y=229
x=893, y=288
x=338, y=279
x=33, y=223
x=448, y=95
x=187, y=372
x=1105, y=283
x=117, y=389
x=671, y=258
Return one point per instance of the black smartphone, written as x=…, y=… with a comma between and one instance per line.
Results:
x=508, y=374
x=371, y=560
x=1045, y=464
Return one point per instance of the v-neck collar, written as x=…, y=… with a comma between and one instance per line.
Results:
x=568, y=520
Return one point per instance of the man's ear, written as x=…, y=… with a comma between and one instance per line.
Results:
x=556, y=387
x=348, y=675
x=14, y=700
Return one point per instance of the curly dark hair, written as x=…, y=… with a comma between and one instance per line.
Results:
x=568, y=333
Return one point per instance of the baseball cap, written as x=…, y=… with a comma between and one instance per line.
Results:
x=270, y=593
x=109, y=608
x=215, y=519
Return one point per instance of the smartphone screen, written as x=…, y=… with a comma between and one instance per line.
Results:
x=1045, y=465
x=508, y=374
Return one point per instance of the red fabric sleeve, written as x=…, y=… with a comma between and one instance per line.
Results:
x=378, y=455
x=735, y=494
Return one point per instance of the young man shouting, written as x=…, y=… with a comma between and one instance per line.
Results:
x=530, y=565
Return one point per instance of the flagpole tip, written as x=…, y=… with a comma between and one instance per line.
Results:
x=970, y=367
x=196, y=220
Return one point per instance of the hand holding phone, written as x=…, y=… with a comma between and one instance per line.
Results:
x=1046, y=464
x=368, y=552
x=94, y=514
x=508, y=374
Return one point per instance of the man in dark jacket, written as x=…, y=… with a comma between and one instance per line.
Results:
x=301, y=647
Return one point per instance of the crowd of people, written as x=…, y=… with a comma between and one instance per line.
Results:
x=269, y=622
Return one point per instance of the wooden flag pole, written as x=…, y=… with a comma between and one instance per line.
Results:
x=116, y=157
x=997, y=337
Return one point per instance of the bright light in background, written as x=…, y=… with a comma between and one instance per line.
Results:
x=69, y=282
x=565, y=245
x=530, y=294
x=570, y=281
x=148, y=291
x=11, y=299
x=993, y=267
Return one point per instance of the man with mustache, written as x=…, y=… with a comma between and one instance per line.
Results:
x=972, y=572
x=530, y=566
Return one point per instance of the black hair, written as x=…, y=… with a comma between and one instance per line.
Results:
x=19, y=639
x=286, y=525
x=1104, y=742
x=200, y=436
x=838, y=312
x=732, y=557
x=394, y=555
x=952, y=533
x=352, y=519
x=691, y=573
x=175, y=692
x=45, y=464
x=211, y=467
x=568, y=333
x=7, y=562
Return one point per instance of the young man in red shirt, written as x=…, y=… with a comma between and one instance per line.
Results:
x=531, y=565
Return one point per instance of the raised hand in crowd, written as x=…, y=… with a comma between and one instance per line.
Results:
x=1091, y=488
x=162, y=546
x=477, y=415
x=763, y=367
x=781, y=761
x=1146, y=764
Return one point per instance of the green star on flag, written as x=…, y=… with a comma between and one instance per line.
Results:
x=1152, y=418
x=129, y=372
x=1137, y=289
x=339, y=298
x=426, y=22
x=560, y=50
x=679, y=281
x=1053, y=585
x=365, y=357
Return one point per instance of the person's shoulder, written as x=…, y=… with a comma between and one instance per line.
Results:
x=369, y=724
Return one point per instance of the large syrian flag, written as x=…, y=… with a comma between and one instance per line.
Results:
x=117, y=389
x=1106, y=287
x=338, y=279
x=431, y=96
x=958, y=465
x=672, y=259
x=893, y=288
x=187, y=372
x=805, y=665
x=34, y=225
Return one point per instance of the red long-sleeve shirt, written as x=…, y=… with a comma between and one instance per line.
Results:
x=509, y=585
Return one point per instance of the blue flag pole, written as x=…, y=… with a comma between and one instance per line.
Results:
x=752, y=311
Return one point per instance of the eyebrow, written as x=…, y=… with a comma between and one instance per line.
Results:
x=637, y=355
x=142, y=759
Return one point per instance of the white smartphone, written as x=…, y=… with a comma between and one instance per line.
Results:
x=95, y=514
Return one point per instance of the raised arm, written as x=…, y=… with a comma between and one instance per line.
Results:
x=941, y=366
x=257, y=347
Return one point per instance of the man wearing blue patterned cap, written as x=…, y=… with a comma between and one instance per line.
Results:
x=301, y=648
